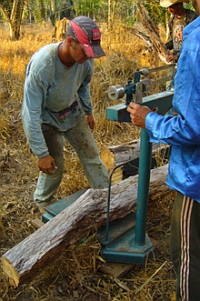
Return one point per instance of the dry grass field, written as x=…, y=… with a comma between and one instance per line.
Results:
x=74, y=276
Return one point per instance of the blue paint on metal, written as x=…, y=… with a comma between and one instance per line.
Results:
x=55, y=208
x=143, y=187
x=160, y=101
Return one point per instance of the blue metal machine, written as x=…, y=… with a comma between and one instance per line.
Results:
x=125, y=240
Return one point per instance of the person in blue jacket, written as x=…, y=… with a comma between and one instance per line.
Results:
x=183, y=133
x=57, y=104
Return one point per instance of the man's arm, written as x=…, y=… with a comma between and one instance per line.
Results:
x=31, y=115
x=85, y=97
x=31, y=118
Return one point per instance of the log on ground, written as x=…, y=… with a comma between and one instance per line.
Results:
x=126, y=157
x=24, y=261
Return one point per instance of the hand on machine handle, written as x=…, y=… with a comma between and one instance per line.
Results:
x=138, y=114
x=47, y=164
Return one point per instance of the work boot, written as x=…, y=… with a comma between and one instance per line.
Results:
x=43, y=204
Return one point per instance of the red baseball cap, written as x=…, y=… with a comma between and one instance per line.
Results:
x=88, y=34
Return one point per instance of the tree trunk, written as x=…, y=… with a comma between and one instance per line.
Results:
x=14, y=20
x=87, y=214
x=149, y=33
x=14, y=30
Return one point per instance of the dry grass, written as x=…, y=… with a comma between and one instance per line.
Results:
x=74, y=275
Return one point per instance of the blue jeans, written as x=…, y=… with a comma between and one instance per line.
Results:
x=81, y=139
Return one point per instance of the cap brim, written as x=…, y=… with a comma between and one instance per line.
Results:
x=93, y=50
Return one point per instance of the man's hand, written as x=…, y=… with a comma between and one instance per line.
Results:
x=90, y=121
x=47, y=164
x=138, y=114
x=171, y=58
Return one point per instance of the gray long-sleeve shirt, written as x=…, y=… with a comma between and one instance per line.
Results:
x=51, y=87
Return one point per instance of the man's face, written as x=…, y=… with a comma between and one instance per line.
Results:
x=78, y=53
x=175, y=9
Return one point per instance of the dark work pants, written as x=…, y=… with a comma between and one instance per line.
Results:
x=81, y=139
x=185, y=247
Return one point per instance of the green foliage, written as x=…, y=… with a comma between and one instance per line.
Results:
x=39, y=9
x=5, y=9
x=189, y=6
x=126, y=10
x=102, y=10
x=90, y=8
x=156, y=12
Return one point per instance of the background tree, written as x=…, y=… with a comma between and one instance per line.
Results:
x=55, y=9
x=12, y=12
x=90, y=8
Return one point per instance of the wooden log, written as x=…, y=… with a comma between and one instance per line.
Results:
x=129, y=151
x=24, y=261
x=114, y=155
x=127, y=156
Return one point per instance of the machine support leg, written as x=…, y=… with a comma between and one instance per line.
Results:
x=143, y=187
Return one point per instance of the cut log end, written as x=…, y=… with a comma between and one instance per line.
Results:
x=10, y=273
x=108, y=158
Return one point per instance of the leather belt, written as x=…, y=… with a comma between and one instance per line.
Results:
x=63, y=113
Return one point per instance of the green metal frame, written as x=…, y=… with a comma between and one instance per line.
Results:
x=131, y=243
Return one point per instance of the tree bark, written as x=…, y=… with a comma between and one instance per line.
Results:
x=149, y=33
x=87, y=214
x=15, y=19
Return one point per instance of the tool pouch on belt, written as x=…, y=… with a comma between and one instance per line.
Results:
x=72, y=108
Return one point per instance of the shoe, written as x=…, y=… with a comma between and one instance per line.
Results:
x=42, y=209
x=43, y=204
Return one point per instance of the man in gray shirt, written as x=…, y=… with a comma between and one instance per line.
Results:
x=57, y=104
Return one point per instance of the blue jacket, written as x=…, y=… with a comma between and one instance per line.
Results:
x=183, y=131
